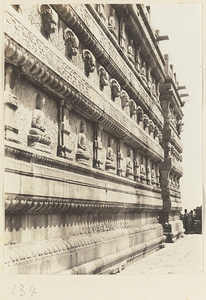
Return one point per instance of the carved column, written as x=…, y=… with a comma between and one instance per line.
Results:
x=136, y=167
x=98, y=162
x=64, y=147
x=158, y=175
x=120, y=157
x=11, y=105
x=148, y=170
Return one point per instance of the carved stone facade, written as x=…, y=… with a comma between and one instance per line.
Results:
x=86, y=139
x=171, y=169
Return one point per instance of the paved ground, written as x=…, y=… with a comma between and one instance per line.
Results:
x=184, y=257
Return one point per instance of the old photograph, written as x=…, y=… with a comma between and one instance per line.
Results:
x=102, y=139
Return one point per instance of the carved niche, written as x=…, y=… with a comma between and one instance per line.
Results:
x=125, y=100
x=103, y=78
x=111, y=23
x=133, y=110
x=130, y=52
x=110, y=164
x=129, y=165
x=11, y=104
x=115, y=89
x=140, y=114
x=82, y=154
x=71, y=43
x=49, y=20
x=38, y=138
x=89, y=62
x=142, y=171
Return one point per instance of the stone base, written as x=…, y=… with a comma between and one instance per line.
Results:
x=110, y=168
x=129, y=174
x=96, y=253
x=174, y=231
x=40, y=147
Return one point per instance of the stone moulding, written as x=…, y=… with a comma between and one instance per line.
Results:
x=22, y=255
x=29, y=204
x=106, y=53
x=119, y=123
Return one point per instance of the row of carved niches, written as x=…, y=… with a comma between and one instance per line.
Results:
x=117, y=26
x=52, y=28
x=120, y=97
x=46, y=125
x=171, y=151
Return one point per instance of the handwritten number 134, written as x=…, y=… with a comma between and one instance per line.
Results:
x=22, y=291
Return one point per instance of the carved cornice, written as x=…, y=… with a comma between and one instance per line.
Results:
x=17, y=255
x=60, y=77
x=79, y=19
x=29, y=204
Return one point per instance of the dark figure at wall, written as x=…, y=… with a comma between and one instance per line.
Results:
x=192, y=222
x=186, y=222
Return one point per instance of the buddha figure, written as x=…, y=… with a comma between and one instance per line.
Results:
x=71, y=43
x=153, y=175
x=143, y=74
x=111, y=23
x=49, y=20
x=82, y=153
x=130, y=52
x=142, y=172
x=129, y=164
x=37, y=133
x=110, y=163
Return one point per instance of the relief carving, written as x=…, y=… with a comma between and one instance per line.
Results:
x=38, y=138
x=129, y=164
x=89, y=62
x=111, y=23
x=115, y=89
x=71, y=43
x=82, y=154
x=49, y=20
x=103, y=78
x=110, y=162
x=124, y=98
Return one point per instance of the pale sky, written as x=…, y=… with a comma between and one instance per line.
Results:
x=182, y=23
